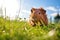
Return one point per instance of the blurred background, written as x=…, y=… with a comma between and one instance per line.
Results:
x=21, y=8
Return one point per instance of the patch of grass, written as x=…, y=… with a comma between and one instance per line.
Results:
x=21, y=30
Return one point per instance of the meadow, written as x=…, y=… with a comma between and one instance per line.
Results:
x=21, y=30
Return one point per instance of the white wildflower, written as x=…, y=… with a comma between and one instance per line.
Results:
x=51, y=33
x=3, y=30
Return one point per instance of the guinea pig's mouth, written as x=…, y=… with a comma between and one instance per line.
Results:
x=34, y=19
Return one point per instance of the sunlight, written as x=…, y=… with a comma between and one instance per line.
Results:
x=12, y=8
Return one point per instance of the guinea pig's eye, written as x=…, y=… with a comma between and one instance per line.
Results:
x=39, y=13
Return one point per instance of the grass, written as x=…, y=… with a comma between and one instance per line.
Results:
x=21, y=30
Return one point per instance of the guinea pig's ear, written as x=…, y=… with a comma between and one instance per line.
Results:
x=44, y=11
x=32, y=10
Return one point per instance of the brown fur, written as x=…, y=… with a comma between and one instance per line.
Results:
x=37, y=15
